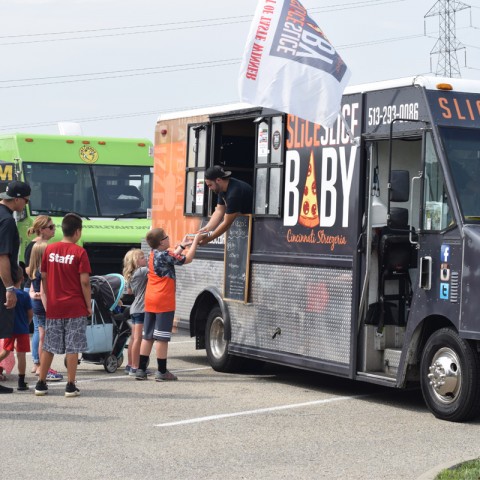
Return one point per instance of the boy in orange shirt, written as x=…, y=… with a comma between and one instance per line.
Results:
x=160, y=300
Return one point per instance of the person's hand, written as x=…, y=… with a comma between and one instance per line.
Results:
x=11, y=298
x=204, y=229
x=198, y=237
x=89, y=310
x=187, y=241
x=203, y=238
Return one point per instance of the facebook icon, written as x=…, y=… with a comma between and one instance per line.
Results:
x=445, y=253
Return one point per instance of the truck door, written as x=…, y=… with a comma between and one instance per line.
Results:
x=439, y=244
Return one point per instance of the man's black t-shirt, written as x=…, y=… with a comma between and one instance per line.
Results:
x=238, y=198
x=26, y=258
x=9, y=239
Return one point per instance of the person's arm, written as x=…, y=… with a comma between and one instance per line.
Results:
x=43, y=296
x=215, y=219
x=6, y=276
x=228, y=219
x=44, y=290
x=193, y=248
x=87, y=293
x=33, y=294
x=30, y=315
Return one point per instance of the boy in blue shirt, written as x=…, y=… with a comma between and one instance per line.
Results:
x=20, y=341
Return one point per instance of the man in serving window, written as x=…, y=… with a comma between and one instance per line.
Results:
x=235, y=198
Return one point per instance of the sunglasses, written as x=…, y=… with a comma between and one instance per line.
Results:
x=26, y=200
x=50, y=227
x=164, y=238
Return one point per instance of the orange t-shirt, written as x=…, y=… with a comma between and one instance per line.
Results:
x=160, y=291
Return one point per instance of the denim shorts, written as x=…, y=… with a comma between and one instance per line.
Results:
x=65, y=335
x=39, y=319
x=138, y=318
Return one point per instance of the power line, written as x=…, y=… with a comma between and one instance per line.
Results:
x=186, y=66
x=174, y=26
x=113, y=74
x=108, y=117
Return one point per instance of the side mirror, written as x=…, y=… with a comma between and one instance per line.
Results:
x=400, y=185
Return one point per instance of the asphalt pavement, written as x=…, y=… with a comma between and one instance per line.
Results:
x=277, y=423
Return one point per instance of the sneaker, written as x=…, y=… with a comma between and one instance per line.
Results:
x=164, y=377
x=22, y=386
x=71, y=390
x=54, y=376
x=41, y=388
x=140, y=374
x=132, y=372
x=128, y=368
x=148, y=372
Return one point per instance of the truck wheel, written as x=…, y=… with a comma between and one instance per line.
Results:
x=216, y=345
x=450, y=376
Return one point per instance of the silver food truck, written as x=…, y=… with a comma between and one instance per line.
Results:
x=360, y=257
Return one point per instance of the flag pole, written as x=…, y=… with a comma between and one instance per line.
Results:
x=353, y=140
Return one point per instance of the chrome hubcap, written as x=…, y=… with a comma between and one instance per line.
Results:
x=445, y=375
x=218, y=344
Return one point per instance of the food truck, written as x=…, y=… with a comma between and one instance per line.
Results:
x=359, y=259
x=107, y=181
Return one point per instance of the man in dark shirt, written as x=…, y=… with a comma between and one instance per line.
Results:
x=14, y=199
x=234, y=198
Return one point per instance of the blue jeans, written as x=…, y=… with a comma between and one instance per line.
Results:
x=35, y=340
x=35, y=337
x=37, y=320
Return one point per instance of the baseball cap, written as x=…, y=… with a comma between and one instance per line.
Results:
x=216, y=172
x=16, y=189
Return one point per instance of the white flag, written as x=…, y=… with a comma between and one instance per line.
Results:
x=289, y=64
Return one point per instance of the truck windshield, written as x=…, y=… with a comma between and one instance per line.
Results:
x=89, y=190
x=462, y=147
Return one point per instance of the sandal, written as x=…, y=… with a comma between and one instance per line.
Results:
x=3, y=378
x=34, y=368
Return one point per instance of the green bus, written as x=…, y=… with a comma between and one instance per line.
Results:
x=107, y=181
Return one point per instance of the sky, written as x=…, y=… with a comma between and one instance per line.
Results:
x=113, y=66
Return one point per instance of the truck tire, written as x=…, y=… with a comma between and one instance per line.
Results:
x=450, y=376
x=216, y=345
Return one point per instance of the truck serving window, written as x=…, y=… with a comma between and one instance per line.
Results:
x=269, y=166
x=197, y=151
x=462, y=148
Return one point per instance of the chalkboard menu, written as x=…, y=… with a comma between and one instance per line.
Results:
x=237, y=259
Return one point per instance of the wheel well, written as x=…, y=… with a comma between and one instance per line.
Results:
x=203, y=305
x=424, y=331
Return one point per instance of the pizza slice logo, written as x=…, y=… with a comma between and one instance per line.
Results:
x=309, y=213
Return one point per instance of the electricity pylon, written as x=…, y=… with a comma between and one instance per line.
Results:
x=447, y=45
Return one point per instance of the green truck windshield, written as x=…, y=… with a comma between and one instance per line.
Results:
x=89, y=190
x=462, y=148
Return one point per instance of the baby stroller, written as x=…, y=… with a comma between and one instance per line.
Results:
x=107, y=331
